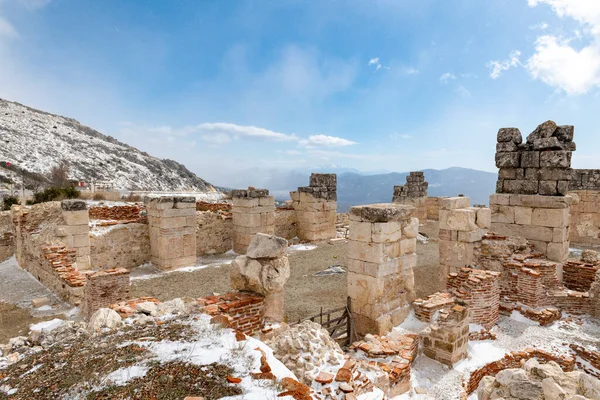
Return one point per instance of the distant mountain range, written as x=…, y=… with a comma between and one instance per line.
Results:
x=34, y=141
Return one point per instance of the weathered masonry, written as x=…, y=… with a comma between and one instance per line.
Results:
x=315, y=207
x=413, y=193
x=585, y=211
x=253, y=212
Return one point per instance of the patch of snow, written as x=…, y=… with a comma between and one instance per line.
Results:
x=44, y=308
x=410, y=325
x=123, y=375
x=302, y=247
x=517, y=316
x=148, y=271
x=480, y=353
x=475, y=328
x=33, y=369
x=47, y=326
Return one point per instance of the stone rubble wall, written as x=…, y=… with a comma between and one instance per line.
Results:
x=426, y=308
x=585, y=217
x=173, y=225
x=214, y=233
x=243, y=310
x=585, y=179
x=542, y=220
x=381, y=258
x=446, y=339
x=480, y=291
x=253, y=212
x=413, y=193
x=104, y=288
x=7, y=242
x=316, y=207
x=433, y=205
x=541, y=165
x=122, y=246
x=461, y=231
x=285, y=223
x=578, y=275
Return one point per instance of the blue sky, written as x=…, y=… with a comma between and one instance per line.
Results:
x=225, y=86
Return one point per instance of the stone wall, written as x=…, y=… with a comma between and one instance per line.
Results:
x=426, y=308
x=413, y=193
x=285, y=223
x=579, y=275
x=7, y=243
x=120, y=246
x=480, y=291
x=253, y=212
x=381, y=258
x=585, y=217
x=243, y=311
x=446, y=339
x=214, y=233
x=104, y=288
x=461, y=230
x=541, y=165
x=542, y=220
x=172, y=223
x=433, y=205
x=124, y=214
x=315, y=207
x=585, y=179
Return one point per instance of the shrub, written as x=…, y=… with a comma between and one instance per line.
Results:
x=99, y=196
x=132, y=198
x=55, y=194
x=8, y=201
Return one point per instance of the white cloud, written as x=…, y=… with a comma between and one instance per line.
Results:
x=446, y=77
x=218, y=138
x=374, y=61
x=412, y=71
x=498, y=67
x=542, y=26
x=234, y=131
x=463, y=91
x=325, y=141
x=396, y=136
x=557, y=62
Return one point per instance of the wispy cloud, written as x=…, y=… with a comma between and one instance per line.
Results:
x=396, y=136
x=542, y=26
x=498, y=67
x=446, y=77
x=412, y=71
x=325, y=141
x=233, y=131
x=375, y=61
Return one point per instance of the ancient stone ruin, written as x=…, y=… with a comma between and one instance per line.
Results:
x=253, y=212
x=413, y=193
x=315, y=207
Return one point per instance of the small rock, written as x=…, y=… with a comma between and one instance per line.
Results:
x=324, y=378
x=266, y=246
x=147, y=307
x=40, y=302
x=234, y=380
x=590, y=256
x=346, y=388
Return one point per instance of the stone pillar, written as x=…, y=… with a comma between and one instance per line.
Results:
x=172, y=223
x=75, y=233
x=413, y=193
x=446, y=339
x=253, y=212
x=480, y=291
x=381, y=258
x=264, y=270
x=532, y=183
x=461, y=230
x=316, y=207
x=104, y=288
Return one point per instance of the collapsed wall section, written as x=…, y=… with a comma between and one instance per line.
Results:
x=480, y=291
x=315, y=207
x=172, y=223
x=253, y=212
x=413, y=193
x=381, y=258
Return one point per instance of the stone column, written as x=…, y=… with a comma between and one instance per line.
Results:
x=381, y=258
x=253, y=212
x=461, y=230
x=75, y=233
x=172, y=223
x=532, y=183
x=264, y=270
x=446, y=339
x=413, y=193
x=316, y=207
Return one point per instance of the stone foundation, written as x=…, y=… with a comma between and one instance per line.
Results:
x=172, y=223
x=104, y=288
x=413, y=193
x=542, y=220
x=446, y=339
x=315, y=207
x=253, y=212
x=480, y=291
x=381, y=258
x=214, y=233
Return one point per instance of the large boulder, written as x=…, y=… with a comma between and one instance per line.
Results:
x=104, y=318
x=267, y=276
x=266, y=246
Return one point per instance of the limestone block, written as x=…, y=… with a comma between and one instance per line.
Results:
x=560, y=235
x=360, y=231
x=535, y=201
x=453, y=203
x=500, y=199
x=174, y=212
x=471, y=236
x=512, y=135
x=392, y=250
x=266, y=246
x=529, y=232
x=503, y=214
x=173, y=246
x=411, y=229
x=189, y=245
x=456, y=254
x=522, y=215
x=448, y=235
x=508, y=159
x=458, y=220
x=273, y=307
x=484, y=218
x=555, y=159
x=172, y=222
x=295, y=196
x=81, y=240
x=408, y=246
x=80, y=217
x=553, y=218
x=558, y=251
x=386, y=232
x=385, y=212
x=371, y=252
x=539, y=246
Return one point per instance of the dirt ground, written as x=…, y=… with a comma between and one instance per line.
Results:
x=305, y=293
x=15, y=321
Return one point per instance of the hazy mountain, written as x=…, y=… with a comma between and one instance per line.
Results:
x=35, y=141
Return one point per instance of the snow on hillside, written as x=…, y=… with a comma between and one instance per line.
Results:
x=36, y=141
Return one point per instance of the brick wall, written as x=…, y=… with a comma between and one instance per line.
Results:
x=243, y=309
x=585, y=216
x=60, y=274
x=578, y=275
x=426, y=308
x=591, y=358
x=480, y=291
x=104, y=288
x=513, y=360
x=123, y=214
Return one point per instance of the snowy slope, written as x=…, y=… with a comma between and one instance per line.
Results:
x=36, y=141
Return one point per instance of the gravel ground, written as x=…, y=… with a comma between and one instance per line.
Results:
x=305, y=293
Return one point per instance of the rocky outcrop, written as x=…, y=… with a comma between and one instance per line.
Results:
x=535, y=381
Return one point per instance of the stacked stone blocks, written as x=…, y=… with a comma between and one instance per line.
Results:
x=413, y=193
x=446, y=339
x=253, y=212
x=172, y=222
x=315, y=207
x=381, y=258
x=104, y=288
x=585, y=215
x=75, y=233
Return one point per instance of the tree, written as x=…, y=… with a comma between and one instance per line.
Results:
x=59, y=175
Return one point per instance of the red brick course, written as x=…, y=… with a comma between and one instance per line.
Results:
x=480, y=291
x=578, y=275
x=104, y=288
x=60, y=259
x=243, y=309
x=426, y=308
x=592, y=358
x=119, y=214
